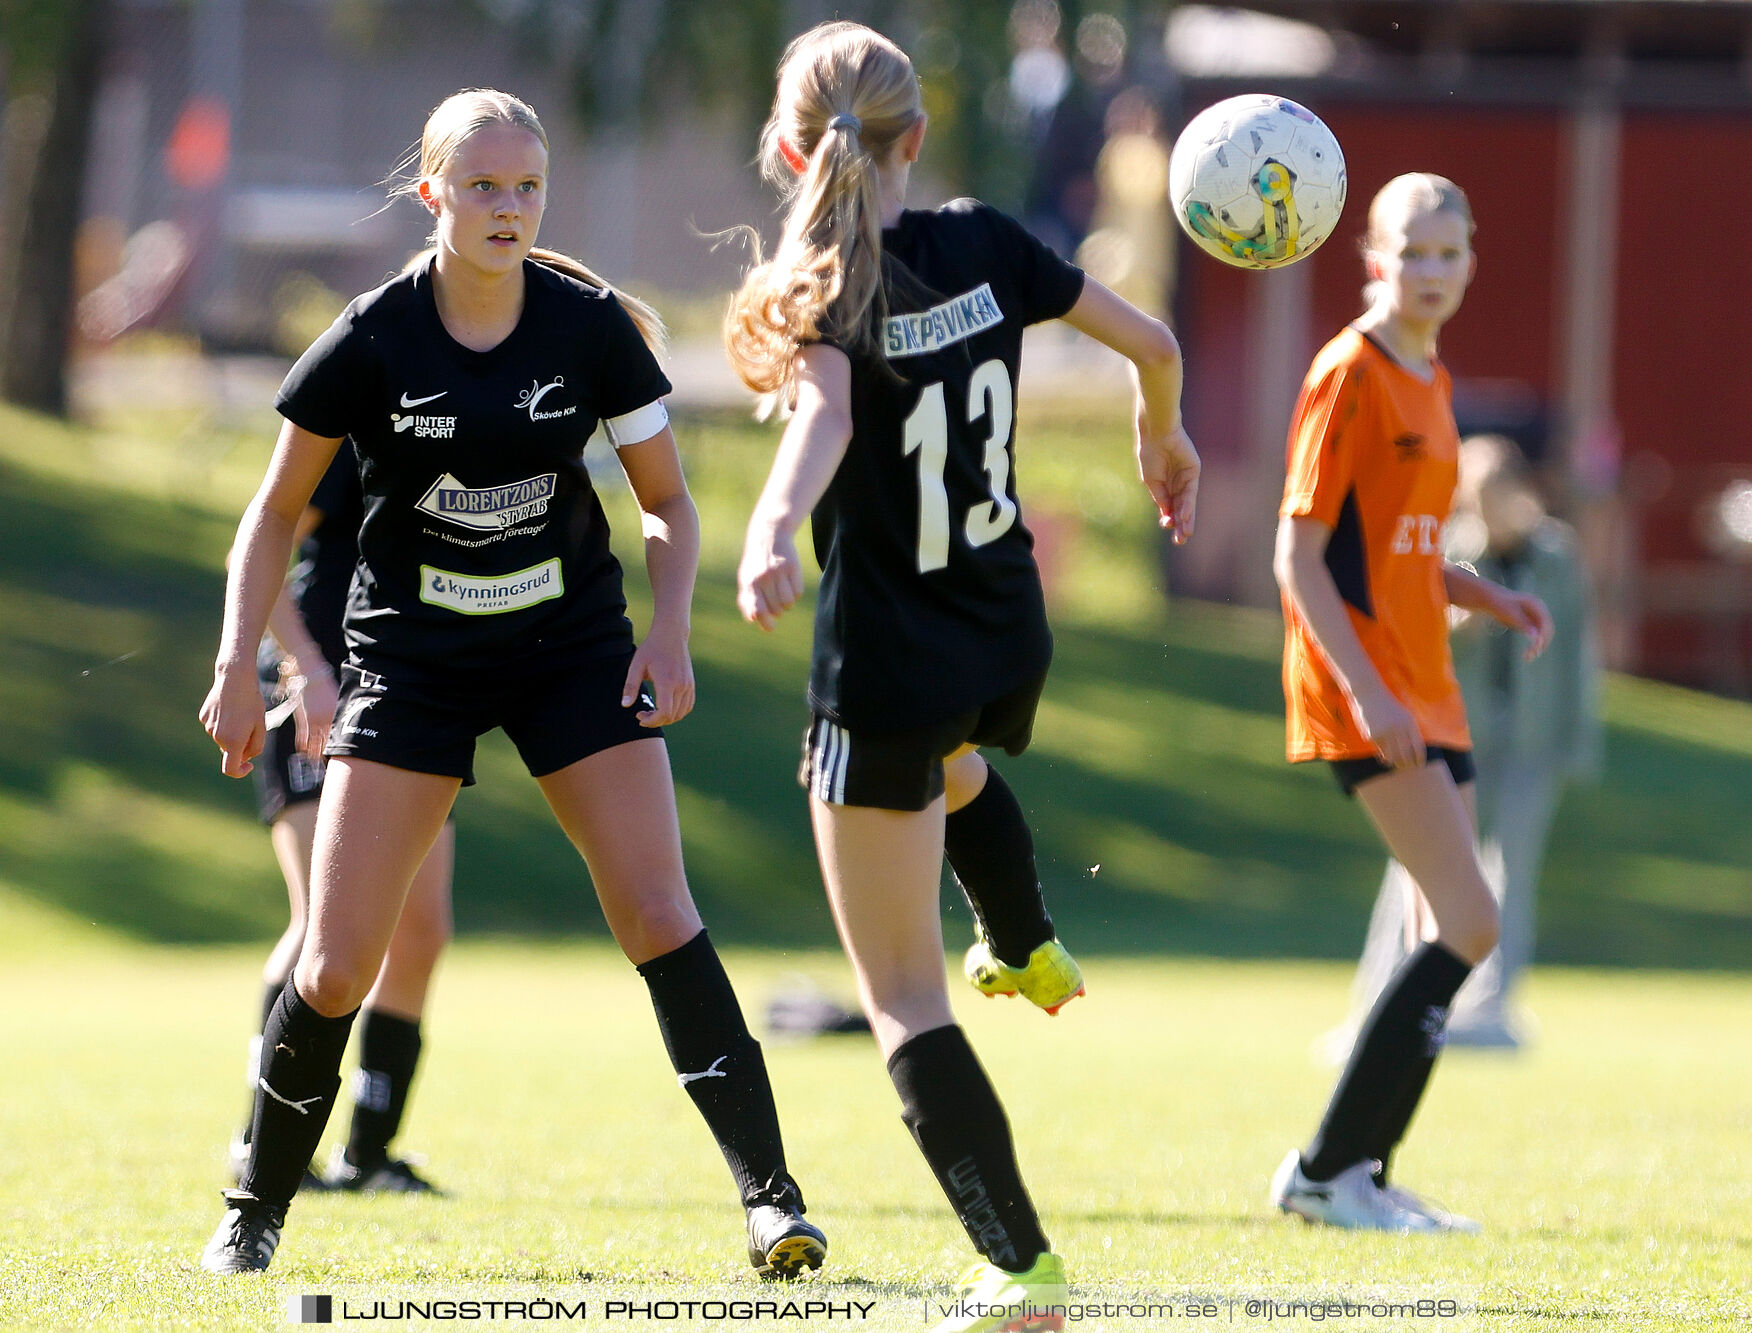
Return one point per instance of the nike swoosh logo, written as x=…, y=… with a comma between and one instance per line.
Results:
x=415, y=402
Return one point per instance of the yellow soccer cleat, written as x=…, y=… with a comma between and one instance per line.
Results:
x=1051, y=980
x=990, y=1300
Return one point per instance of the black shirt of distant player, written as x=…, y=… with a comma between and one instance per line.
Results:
x=324, y=573
x=483, y=542
x=930, y=602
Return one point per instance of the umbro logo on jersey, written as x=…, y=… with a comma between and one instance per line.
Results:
x=429, y=398
x=488, y=508
x=531, y=398
x=931, y=330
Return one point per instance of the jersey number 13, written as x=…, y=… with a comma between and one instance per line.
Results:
x=927, y=433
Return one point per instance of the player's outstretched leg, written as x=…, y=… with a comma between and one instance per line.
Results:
x=988, y=844
x=1049, y=980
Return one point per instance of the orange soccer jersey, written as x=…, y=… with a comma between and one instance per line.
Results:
x=1373, y=451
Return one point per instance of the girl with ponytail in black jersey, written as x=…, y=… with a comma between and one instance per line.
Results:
x=893, y=336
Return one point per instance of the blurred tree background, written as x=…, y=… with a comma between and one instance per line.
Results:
x=630, y=61
x=50, y=51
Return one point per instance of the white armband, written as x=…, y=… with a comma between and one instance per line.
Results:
x=637, y=426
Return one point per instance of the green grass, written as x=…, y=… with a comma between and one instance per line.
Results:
x=1179, y=851
x=1158, y=756
x=1609, y=1160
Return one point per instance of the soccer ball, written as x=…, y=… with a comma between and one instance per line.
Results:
x=1256, y=180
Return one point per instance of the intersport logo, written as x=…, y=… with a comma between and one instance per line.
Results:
x=488, y=508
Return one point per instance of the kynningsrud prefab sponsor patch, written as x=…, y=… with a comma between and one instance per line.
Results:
x=476, y=595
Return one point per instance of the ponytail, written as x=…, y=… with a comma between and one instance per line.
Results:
x=846, y=96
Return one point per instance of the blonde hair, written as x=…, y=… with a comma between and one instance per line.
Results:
x=451, y=123
x=1403, y=198
x=846, y=96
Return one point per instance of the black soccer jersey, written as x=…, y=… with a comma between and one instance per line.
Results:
x=324, y=572
x=483, y=543
x=930, y=602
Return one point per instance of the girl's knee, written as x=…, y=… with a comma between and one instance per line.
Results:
x=964, y=776
x=659, y=923
x=1473, y=938
x=332, y=987
x=1485, y=937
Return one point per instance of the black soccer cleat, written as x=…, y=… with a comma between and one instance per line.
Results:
x=247, y=1236
x=781, y=1244
x=392, y=1175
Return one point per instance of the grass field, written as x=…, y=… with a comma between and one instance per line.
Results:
x=1610, y=1161
x=1184, y=861
x=1158, y=754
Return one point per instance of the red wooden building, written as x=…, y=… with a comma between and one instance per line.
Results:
x=1607, y=149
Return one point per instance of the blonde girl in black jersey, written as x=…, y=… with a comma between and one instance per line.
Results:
x=486, y=595
x=894, y=337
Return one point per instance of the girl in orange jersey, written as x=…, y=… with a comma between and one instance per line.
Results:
x=1367, y=677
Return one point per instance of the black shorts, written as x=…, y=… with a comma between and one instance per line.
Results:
x=282, y=775
x=1351, y=772
x=903, y=770
x=555, y=716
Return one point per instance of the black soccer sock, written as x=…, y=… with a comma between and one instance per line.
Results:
x=719, y=1064
x=953, y=1112
x=1399, y=1114
x=1397, y=1110
x=991, y=852
x=270, y=995
x=389, y=1051
x=1390, y=1064
x=301, y=1063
